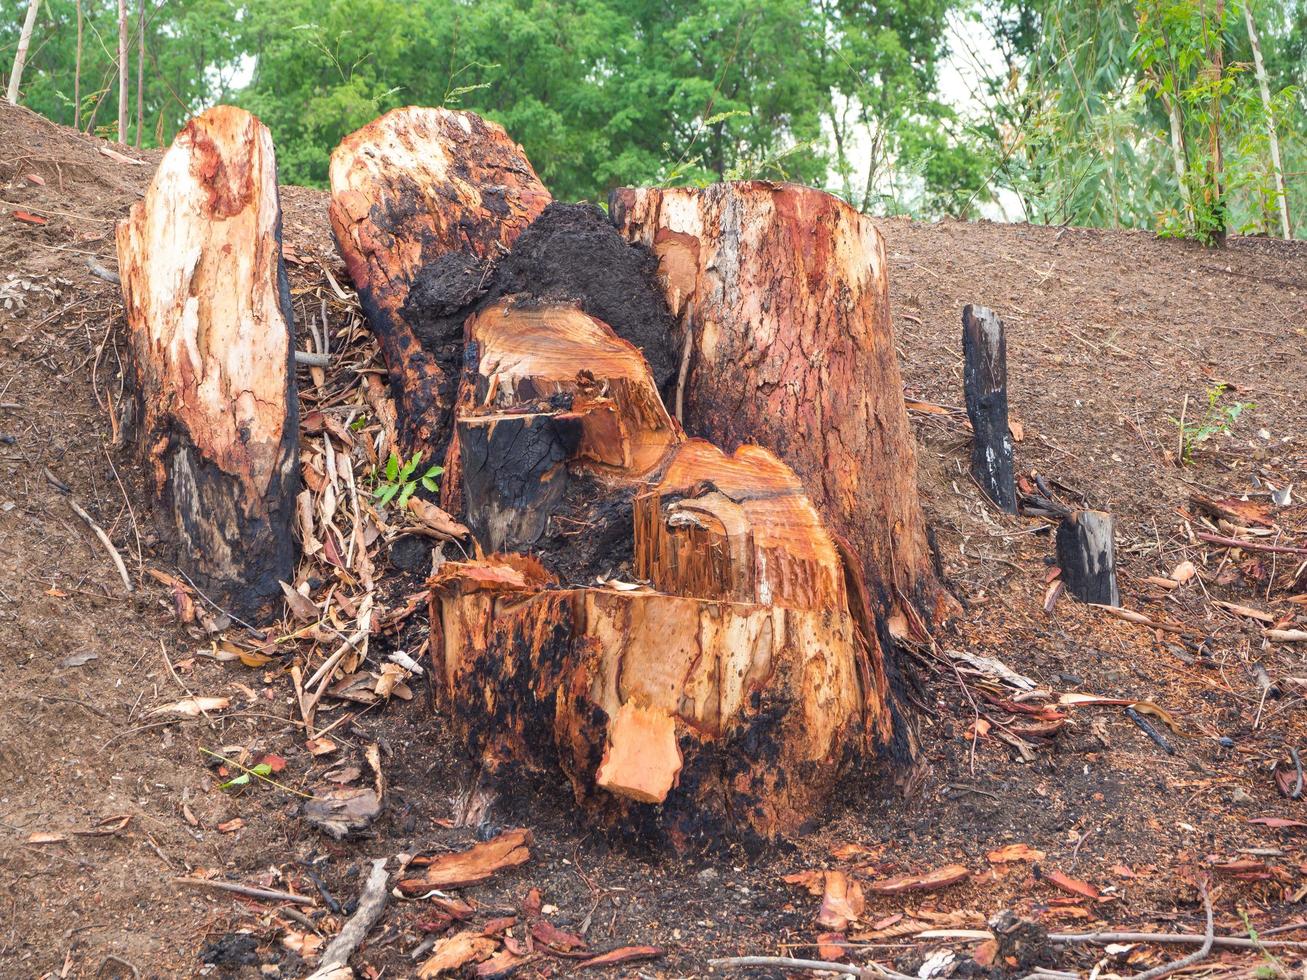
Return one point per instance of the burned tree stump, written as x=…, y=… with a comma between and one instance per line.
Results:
x=733, y=697
x=781, y=298
x=984, y=382
x=553, y=402
x=1086, y=557
x=420, y=198
x=214, y=413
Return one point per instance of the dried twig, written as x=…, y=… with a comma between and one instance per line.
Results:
x=104, y=540
x=370, y=906
x=249, y=891
x=1192, y=958
x=1277, y=549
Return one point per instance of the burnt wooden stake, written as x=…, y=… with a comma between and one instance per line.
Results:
x=1084, y=552
x=984, y=380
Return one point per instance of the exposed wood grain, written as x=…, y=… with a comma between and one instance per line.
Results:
x=210, y=325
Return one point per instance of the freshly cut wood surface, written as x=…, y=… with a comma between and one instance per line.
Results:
x=532, y=352
x=766, y=703
x=554, y=395
x=408, y=190
x=214, y=411
x=781, y=296
x=736, y=527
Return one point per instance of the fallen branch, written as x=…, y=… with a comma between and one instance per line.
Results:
x=100, y=272
x=1140, y=619
x=1194, y=957
x=249, y=891
x=1172, y=938
x=1279, y=549
x=871, y=970
x=370, y=906
x=104, y=539
x=310, y=359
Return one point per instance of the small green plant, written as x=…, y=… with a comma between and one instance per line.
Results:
x=400, y=480
x=1218, y=418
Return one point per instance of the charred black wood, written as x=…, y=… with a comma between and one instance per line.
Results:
x=984, y=349
x=1086, y=557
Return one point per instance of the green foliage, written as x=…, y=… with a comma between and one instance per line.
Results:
x=261, y=771
x=1218, y=418
x=191, y=56
x=402, y=479
x=1082, y=115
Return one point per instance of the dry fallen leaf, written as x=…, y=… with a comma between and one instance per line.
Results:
x=320, y=746
x=950, y=874
x=46, y=837
x=1073, y=885
x=1280, y=822
x=626, y=954
x=231, y=826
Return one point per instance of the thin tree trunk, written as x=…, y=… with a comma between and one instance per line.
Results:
x=122, y=71
x=77, y=73
x=1177, y=154
x=20, y=57
x=140, y=72
x=1215, y=165
x=1260, y=66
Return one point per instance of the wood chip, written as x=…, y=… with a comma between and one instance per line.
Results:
x=473, y=866
x=950, y=874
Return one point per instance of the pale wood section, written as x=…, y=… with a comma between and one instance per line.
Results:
x=209, y=316
x=736, y=527
x=530, y=352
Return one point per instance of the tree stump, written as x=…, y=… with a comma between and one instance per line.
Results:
x=1087, y=558
x=420, y=198
x=984, y=382
x=215, y=417
x=781, y=299
x=732, y=697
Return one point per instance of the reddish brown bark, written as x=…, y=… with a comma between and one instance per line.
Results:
x=209, y=318
x=781, y=297
x=408, y=190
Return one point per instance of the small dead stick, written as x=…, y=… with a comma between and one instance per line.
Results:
x=790, y=963
x=104, y=540
x=370, y=906
x=249, y=891
x=1196, y=956
x=1278, y=549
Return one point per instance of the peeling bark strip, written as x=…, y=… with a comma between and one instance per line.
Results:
x=1086, y=557
x=408, y=190
x=984, y=381
x=210, y=323
x=781, y=295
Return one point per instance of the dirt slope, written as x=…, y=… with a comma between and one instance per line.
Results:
x=1108, y=332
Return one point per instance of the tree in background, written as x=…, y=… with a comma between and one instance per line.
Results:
x=1145, y=114
x=189, y=61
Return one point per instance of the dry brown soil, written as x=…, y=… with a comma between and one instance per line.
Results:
x=1107, y=333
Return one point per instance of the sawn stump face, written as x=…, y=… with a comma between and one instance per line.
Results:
x=215, y=418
